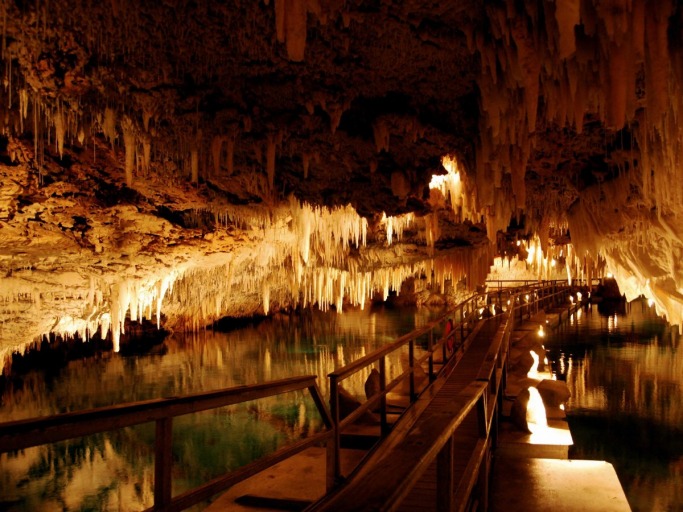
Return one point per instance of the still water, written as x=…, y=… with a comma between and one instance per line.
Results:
x=114, y=470
x=625, y=372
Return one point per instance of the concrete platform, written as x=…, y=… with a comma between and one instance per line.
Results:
x=300, y=478
x=552, y=443
x=551, y=485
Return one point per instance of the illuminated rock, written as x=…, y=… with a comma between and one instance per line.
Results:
x=189, y=160
x=554, y=392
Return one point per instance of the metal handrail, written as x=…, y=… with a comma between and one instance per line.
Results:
x=17, y=435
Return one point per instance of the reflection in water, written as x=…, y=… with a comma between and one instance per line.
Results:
x=114, y=470
x=625, y=373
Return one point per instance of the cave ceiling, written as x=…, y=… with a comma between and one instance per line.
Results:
x=153, y=149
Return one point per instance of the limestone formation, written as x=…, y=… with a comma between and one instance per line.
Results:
x=183, y=161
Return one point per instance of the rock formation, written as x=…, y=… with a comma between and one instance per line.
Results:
x=182, y=161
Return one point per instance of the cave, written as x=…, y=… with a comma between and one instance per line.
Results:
x=191, y=160
x=179, y=165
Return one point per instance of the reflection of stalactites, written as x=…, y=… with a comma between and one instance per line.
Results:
x=431, y=230
x=267, y=365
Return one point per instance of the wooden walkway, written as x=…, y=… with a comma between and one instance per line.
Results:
x=408, y=455
x=423, y=495
x=437, y=405
x=437, y=458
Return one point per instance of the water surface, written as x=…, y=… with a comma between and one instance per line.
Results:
x=114, y=470
x=625, y=373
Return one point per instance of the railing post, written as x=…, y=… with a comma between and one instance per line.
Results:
x=445, y=484
x=329, y=444
x=484, y=474
x=411, y=363
x=334, y=405
x=481, y=415
x=431, y=355
x=382, y=389
x=462, y=323
x=163, y=463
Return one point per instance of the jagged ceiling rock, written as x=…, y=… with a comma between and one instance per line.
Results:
x=144, y=140
x=182, y=74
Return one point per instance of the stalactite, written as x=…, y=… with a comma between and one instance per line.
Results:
x=381, y=133
x=109, y=125
x=59, y=131
x=194, y=164
x=231, y=155
x=146, y=152
x=396, y=225
x=216, y=152
x=270, y=160
x=129, y=147
x=567, y=14
x=280, y=10
x=295, y=29
x=306, y=161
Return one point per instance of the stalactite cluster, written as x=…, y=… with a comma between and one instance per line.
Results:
x=320, y=152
